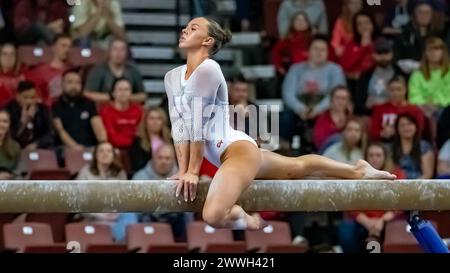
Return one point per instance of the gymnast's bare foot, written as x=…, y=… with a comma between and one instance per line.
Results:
x=255, y=222
x=369, y=172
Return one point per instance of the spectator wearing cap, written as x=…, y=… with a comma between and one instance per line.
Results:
x=75, y=118
x=48, y=76
x=372, y=85
x=30, y=120
x=101, y=77
x=426, y=21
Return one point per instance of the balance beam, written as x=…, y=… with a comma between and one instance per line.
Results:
x=159, y=196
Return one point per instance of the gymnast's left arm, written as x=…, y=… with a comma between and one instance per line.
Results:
x=200, y=100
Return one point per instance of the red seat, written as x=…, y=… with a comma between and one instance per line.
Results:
x=33, y=55
x=274, y=238
x=18, y=236
x=57, y=222
x=55, y=174
x=107, y=248
x=75, y=160
x=38, y=160
x=208, y=239
x=442, y=220
x=5, y=218
x=399, y=240
x=153, y=237
x=87, y=234
x=86, y=56
x=56, y=248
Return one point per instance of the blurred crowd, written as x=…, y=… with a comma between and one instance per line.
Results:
x=363, y=88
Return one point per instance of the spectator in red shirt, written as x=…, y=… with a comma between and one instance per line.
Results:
x=121, y=117
x=385, y=115
x=342, y=31
x=39, y=20
x=294, y=47
x=48, y=76
x=357, y=57
x=329, y=124
x=11, y=73
x=361, y=225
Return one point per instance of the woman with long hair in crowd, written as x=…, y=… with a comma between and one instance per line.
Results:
x=414, y=155
x=153, y=131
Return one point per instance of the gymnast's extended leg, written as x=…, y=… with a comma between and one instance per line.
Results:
x=275, y=166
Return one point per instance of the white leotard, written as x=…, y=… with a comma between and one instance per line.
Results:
x=199, y=109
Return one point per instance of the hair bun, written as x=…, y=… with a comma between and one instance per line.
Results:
x=226, y=36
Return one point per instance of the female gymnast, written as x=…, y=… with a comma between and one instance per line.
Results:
x=200, y=130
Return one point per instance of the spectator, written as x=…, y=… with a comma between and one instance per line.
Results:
x=410, y=44
x=306, y=90
x=39, y=21
x=162, y=166
x=96, y=22
x=372, y=85
x=429, y=87
x=384, y=115
x=315, y=9
x=357, y=57
x=413, y=155
x=351, y=148
x=11, y=73
x=245, y=112
x=307, y=85
x=30, y=120
x=47, y=76
x=100, y=79
x=121, y=117
x=293, y=48
x=106, y=166
x=342, y=31
x=362, y=226
x=9, y=149
x=397, y=18
x=444, y=161
x=75, y=118
x=443, y=128
x=329, y=124
x=153, y=132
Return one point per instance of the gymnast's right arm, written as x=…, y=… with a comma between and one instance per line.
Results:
x=179, y=131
